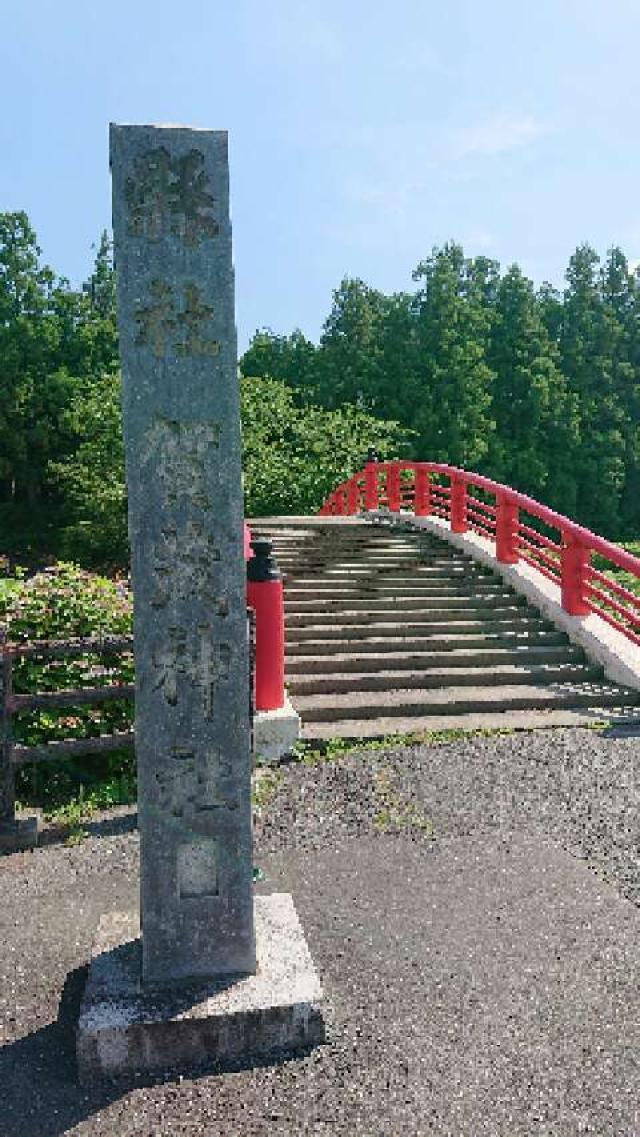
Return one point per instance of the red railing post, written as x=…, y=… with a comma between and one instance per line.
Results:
x=371, y=485
x=422, y=500
x=507, y=521
x=353, y=495
x=393, y=486
x=265, y=596
x=575, y=564
x=458, y=504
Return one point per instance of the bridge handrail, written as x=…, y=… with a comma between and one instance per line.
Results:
x=399, y=484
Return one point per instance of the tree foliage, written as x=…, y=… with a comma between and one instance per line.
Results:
x=537, y=388
x=293, y=456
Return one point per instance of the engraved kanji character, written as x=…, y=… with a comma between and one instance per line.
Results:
x=209, y=665
x=179, y=451
x=170, y=660
x=157, y=321
x=177, y=782
x=193, y=316
x=191, y=203
x=170, y=195
x=213, y=770
x=183, y=565
x=148, y=194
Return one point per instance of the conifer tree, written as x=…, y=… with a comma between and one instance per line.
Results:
x=453, y=321
x=535, y=415
x=587, y=337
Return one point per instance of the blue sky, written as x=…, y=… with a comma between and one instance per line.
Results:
x=362, y=132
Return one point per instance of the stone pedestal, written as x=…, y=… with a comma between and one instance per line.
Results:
x=275, y=732
x=21, y=834
x=126, y=1028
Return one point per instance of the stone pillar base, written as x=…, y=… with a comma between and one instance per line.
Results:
x=20, y=834
x=124, y=1029
x=274, y=732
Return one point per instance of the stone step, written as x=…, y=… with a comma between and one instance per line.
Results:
x=394, y=606
x=384, y=580
x=359, y=598
x=385, y=726
x=459, y=700
x=359, y=548
x=450, y=637
x=499, y=620
x=460, y=658
x=394, y=631
x=433, y=678
x=406, y=585
x=375, y=567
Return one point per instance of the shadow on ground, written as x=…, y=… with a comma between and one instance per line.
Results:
x=41, y=1095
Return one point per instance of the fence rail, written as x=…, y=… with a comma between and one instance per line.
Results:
x=14, y=754
x=520, y=528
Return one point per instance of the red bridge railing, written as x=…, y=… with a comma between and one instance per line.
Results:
x=521, y=528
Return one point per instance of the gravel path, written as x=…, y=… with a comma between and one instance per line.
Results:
x=472, y=908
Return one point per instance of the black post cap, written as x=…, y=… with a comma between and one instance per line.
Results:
x=262, y=565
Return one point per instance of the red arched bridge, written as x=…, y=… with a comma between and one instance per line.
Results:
x=423, y=597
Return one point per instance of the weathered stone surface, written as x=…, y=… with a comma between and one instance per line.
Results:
x=172, y=240
x=20, y=834
x=124, y=1029
x=276, y=732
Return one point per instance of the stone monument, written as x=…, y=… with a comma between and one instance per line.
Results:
x=208, y=973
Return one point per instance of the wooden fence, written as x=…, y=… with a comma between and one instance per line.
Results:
x=14, y=754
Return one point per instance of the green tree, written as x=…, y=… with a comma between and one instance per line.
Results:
x=33, y=383
x=452, y=383
x=348, y=361
x=536, y=417
x=90, y=478
x=621, y=299
x=290, y=358
x=294, y=455
x=587, y=341
x=52, y=338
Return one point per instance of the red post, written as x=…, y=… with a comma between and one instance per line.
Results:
x=422, y=500
x=575, y=565
x=339, y=501
x=353, y=495
x=371, y=485
x=458, y=504
x=507, y=521
x=393, y=486
x=265, y=596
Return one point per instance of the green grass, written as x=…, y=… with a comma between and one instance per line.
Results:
x=264, y=785
x=626, y=579
x=393, y=814
x=71, y=815
x=333, y=749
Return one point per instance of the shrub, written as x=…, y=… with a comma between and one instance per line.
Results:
x=65, y=602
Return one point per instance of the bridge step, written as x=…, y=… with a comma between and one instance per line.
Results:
x=399, y=642
x=506, y=619
x=459, y=658
x=396, y=631
x=442, y=677
x=407, y=598
x=383, y=726
x=458, y=700
x=355, y=609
